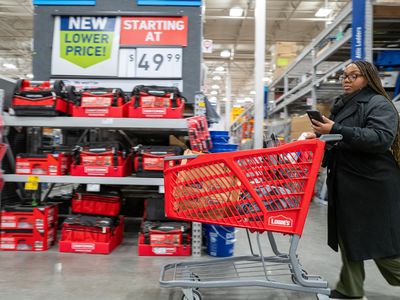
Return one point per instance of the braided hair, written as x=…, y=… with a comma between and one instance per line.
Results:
x=370, y=72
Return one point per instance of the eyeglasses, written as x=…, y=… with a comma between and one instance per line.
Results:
x=351, y=77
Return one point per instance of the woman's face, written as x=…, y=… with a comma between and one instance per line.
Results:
x=352, y=80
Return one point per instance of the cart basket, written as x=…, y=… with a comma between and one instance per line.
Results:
x=262, y=190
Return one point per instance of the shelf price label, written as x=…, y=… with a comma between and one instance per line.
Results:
x=32, y=184
x=159, y=62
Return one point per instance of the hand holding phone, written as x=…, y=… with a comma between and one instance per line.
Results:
x=315, y=115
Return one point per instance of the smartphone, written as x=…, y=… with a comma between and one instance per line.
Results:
x=315, y=115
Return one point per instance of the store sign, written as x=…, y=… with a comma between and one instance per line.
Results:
x=84, y=45
x=165, y=31
x=64, y=2
x=358, y=30
x=170, y=2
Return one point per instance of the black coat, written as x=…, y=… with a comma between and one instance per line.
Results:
x=364, y=179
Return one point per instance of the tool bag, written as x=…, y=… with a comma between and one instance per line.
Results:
x=100, y=154
x=101, y=97
x=40, y=98
x=166, y=233
x=80, y=228
x=43, y=164
x=156, y=102
x=149, y=160
x=106, y=202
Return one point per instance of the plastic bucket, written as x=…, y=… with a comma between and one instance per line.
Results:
x=219, y=147
x=219, y=240
x=219, y=136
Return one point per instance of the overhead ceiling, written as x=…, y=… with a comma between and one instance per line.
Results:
x=287, y=20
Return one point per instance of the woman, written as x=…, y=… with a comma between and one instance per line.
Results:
x=363, y=180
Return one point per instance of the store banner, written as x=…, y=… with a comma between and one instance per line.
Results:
x=84, y=45
x=166, y=31
x=358, y=30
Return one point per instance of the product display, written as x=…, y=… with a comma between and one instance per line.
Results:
x=156, y=102
x=40, y=98
x=43, y=164
x=199, y=136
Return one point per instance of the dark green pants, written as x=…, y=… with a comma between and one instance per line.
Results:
x=352, y=275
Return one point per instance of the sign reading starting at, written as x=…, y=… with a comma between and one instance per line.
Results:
x=165, y=31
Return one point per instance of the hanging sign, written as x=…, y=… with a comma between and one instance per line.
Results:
x=167, y=31
x=358, y=30
x=84, y=45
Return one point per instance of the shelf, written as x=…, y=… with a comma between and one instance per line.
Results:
x=88, y=180
x=116, y=123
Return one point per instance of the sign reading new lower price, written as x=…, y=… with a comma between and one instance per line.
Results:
x=166, y=31
x=84, y=45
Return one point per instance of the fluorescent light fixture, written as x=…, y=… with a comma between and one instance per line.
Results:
x=217, y=77
x=323, y=12
x=219, y=69
x=215, y=87
x=225, y=53
x=29, y=75
x=213, y=93
x=248, y=99
x=252, y=92
x=9, y=66
x=236, y=12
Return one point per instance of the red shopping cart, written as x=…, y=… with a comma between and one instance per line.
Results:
x=260, y=190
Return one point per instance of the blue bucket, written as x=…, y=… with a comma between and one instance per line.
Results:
x=220, y=240
x=219, y=147
x=219, y=136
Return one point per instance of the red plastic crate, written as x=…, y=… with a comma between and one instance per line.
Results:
x=43, y=164
x=94, y=247
x=156, y=112
x=28, y=217
x=27, y=240
x=104, y=171
x=162, y=250
x=101, y=112
x=96, y=205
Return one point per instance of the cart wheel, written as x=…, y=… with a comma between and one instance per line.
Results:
x=194, y=277
x=196, y=296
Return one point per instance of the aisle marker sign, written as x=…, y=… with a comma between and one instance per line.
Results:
x=358, y=30
x=86, y=41
x=166, y=31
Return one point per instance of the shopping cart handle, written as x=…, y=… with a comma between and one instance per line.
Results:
x=179, y=157
x=331, y=137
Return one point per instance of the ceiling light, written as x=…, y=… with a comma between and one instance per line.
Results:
x=217, y=77
x=213, y=93
x=252, y=92
x=215, y=87
x=9, y=66
x=225, y=53
x=236, y=11
x=29, y=75
x=248, y=99
x=323, y=12
x=267, y=79
x=219, y=69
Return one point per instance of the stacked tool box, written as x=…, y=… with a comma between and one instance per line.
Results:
x=28, y=228
x=160, y=236
x=95, y=226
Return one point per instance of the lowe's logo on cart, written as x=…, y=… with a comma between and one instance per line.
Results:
x=280, y=221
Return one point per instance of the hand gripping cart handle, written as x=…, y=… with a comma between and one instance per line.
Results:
x=264, y=190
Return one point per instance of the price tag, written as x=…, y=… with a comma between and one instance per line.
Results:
x=33, y=183
x=93, y=187
x=108, y=121
x=159, y=62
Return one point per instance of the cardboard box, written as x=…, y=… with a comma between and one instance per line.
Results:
x=282, y=48
x=325, y=109
x=387, y=10
x=299, y=125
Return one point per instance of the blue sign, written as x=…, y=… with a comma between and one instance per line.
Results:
x=358, y=30
x=169, y=2
x=64, y=2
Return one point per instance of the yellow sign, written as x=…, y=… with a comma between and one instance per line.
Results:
x=33, y=183
x=236, y=112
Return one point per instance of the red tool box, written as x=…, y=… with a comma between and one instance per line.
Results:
x=99, y=159
x=149, y=160
x=89, y=234
x=107, y=202
x=43, y=164
x=101, y=102
x=164, y=238
x=156, y=102
x=40, y=98
x=28, y=228
x=29, y=217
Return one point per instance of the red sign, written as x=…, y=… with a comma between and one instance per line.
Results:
x=164, y=31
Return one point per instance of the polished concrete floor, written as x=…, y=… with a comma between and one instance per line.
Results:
x=124, y=275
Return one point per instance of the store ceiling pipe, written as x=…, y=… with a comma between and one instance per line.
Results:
x=260, y=15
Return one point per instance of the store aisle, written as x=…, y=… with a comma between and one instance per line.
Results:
x=124, y=275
